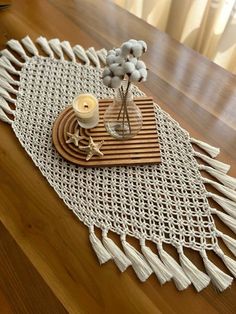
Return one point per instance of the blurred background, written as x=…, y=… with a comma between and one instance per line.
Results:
x=207, y=26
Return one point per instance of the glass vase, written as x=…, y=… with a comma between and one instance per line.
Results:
x=123, y=118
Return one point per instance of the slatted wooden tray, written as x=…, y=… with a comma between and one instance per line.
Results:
x=142, y=149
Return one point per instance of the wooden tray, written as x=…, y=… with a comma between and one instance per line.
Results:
x=141, y=149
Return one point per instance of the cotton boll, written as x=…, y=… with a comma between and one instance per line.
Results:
x=119, y=60
x=128, y=67
x=144, y=45
x=143, y=74
x=111, y=52
x=118, y=51
x=115, y=82
x=140, y=65
x=135, y=76
x=107, y=81
x=125, y=48
x=106, y=72
x=133, y=60
x=113, y=67
x=133, y=41
x=119, y=71
x=110, y=59
x=137, y=50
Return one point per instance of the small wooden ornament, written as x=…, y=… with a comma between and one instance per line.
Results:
x=92, y=148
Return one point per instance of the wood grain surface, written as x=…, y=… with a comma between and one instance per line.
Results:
x=46, y=262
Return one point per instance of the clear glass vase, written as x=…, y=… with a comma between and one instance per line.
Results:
x=123, y=118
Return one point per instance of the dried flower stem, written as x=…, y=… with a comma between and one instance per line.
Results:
x=123, y=96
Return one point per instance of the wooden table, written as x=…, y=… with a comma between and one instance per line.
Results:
x=46, y=262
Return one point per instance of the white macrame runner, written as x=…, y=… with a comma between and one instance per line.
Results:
x=164, y=203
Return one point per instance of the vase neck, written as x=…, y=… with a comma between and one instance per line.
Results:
x=122, y=93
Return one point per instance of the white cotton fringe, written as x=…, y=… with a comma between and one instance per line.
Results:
x=6, y=64
x=91, y=53
x=198, y=278
x=4, y=105
x=216, y=164
x=80, y=53
x=42, y=41
x=219, y=279
x=229, y=242
x=4, y=117
x=30, y=46
x=179, y=277
x=120, y=259
x=68, y=50
x=231, y=194
x=16, y=46
x=6, y=95
x=56, y=47
x=228, y=261
x=139, y=264
x=102, y=53
x=4, y=84
x=228, y=220
x=228, y=205
x=102, y=254
x=160, y=270
x=228, y=181
x=6, y=53
x=4, y=74
x=211, y=150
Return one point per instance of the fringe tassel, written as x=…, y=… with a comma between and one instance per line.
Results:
x=229, y=262
x=80, y=53
x=216, y=164
x=139, y=264
x=4, y=84
x=211, y=150
x=199, y=279
x=6, y=64
x=228, y=181
x=68, y=50
x=102, y=53
x=42, y=41
x=219, y=279
x=4, y=117
x=157, y=266
x=179, y=277
x=6, y=53
x=102, y=254
x=16, y=46
x=30, y=46
x=56, y=46
x=229, y=242
x=4, y=105
x=231, y=194
x=229, y=221
x=227, y=205
x=91, y=53
x=120, y=259
x=6, y=95
x=7, y=76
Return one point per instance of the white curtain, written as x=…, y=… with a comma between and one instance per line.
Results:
x=208, y=26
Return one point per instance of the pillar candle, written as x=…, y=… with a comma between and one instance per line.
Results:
x=86, y=110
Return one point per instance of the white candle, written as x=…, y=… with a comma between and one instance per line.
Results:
x=86, y=110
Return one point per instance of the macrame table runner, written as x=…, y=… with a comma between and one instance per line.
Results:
x=164, y=203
